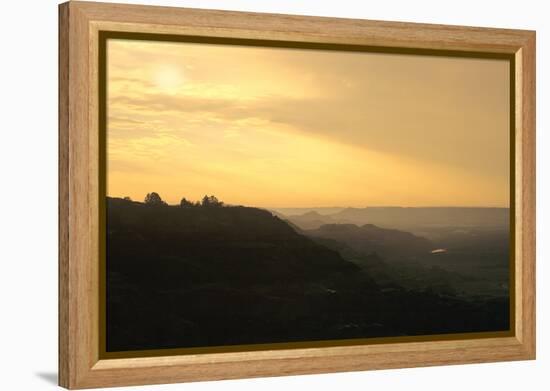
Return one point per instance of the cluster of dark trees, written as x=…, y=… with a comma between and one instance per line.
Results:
x=154, y=199
x=206, y=201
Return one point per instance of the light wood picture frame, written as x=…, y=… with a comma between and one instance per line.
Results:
x=82, y=26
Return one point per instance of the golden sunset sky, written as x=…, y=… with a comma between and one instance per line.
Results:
x=275, y=127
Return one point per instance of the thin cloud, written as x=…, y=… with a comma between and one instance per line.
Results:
x=244, y=109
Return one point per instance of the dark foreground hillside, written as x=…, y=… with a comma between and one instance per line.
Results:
x=208, y=276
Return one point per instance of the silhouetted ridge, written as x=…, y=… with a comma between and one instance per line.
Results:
x=215, y=243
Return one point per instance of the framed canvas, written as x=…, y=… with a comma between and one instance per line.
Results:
x=247, y=195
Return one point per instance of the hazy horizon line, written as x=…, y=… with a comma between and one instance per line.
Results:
x=384, y=206
x=341, y=207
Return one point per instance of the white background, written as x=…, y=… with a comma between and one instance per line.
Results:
x=28, y=203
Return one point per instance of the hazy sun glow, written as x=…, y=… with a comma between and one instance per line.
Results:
x=295, y=128
x=168, y=78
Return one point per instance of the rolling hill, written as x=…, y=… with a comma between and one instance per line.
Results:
x=412, y=219
x=368, y=238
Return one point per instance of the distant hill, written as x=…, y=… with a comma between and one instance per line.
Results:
x=441, y=216
x=311, y=220
x=408, y=218
x=366, y=239
x=298, y=211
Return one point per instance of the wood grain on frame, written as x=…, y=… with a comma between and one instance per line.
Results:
x=79, y=363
